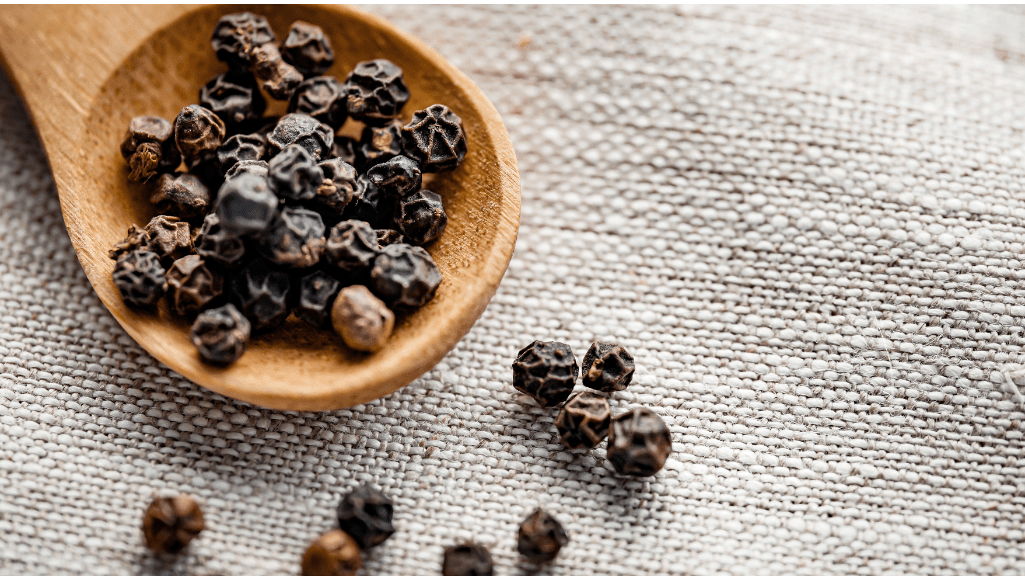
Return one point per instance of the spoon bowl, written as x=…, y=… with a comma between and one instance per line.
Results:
x=85, y=71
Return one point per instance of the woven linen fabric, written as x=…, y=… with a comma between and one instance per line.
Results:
x=805, y=223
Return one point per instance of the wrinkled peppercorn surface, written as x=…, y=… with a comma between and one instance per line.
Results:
x=467, y=559
x=334, y=553
x=541, y=537
x=404, y=276
x=435, y=139
x=169, y=524
x=365, y=513
x=220, y=334
x=607, y=367
x=639, y=443
x=546, y=371
x=139, y=278
x=583, y=421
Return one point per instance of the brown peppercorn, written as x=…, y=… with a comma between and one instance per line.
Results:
x=220, y=334
x=404, y=276
x=308, y=49
x=435, y=139
x=181, y=195
x=541, y=537
x=139, y=278
x=168, y=237
x=468, y=559
x=135, y=240
x=639, y=443
x=149, y=147
x=361, y=319
x=277, y=77
x=235, y=36
x=198, y=132
x=546, y=371
x=294, y=175
x=334, y=553
x=421, y=217
x=607, y=367
x=192, y=285
x=234, y=97
x=169, y=524
x=584, y=420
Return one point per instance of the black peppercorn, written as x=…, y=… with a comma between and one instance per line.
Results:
x=254, y=167
x=541, y=537
x=240, y=148
x=334, y=553
x=404, y=276
x=370, y=205
x=262, y=294
x=308, y=49
x=546, y=371
x=181, y=195
x=584, y=420
x=351, y=247
x=336, y=191
x=375, y=91
x=607, y=367
x=192, y=285
x=379, y=143
x=277, y=77
x=365, y=513
x=639, y=443
x=467, y=559
x=317, y=292
x=149, y=147
x=435, y=139
x=216, y=246
x=139, y=278
x=245, y=205
x=197, y=132
x=235, y=36
x=312, y=134
x=321, y=97
x=220, y=334
x=294, y=175
x=388, y=237
x=361, y=319
x=421, y=217
x=169, y=524
x=208, y=169
x=168, y=237
x=233, y=97
x=295, y=239
x=397, y=177
x=345, y=148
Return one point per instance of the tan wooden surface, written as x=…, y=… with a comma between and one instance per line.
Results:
x=85, y=71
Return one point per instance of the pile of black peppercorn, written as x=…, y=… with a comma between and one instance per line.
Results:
x=275, y=215
x=639, y=440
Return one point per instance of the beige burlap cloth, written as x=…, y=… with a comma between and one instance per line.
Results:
x=804, y=222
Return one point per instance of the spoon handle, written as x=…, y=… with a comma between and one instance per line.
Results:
x=59, y=56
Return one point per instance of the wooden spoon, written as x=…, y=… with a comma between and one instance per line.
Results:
x=85, y=71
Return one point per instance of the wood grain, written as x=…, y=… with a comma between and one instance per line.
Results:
x=85, y=71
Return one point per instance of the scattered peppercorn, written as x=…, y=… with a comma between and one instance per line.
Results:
x=295, y=239
x=262, y=294
x=220, y=334
x=421, y=217
x=361, y=319
x=334, y=553
x=305, y=130
x=240, y=148
x=397, y=177
x=639, y=443
x=294, y=174
x=182, y=195
x=379, y=143
x=405, y=276
x=584, y=420
x=149, y=147
x=365, y=513
x=235, y=36
x=197, y=132
x=541, y=537
x=245, y=205
x=317, y=292
x=546, y=371
x=322, y=97
x=233, y=97
x=607, y=367
x=468, y=559
x=277, y=77
x=435, y=139
x=169, y=524
x=139, y=278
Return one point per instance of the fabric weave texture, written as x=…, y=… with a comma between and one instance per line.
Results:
x=805, y=223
